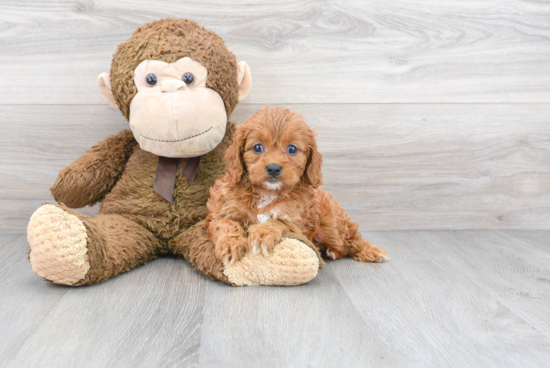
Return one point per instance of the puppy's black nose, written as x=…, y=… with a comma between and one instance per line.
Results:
x=273, y=170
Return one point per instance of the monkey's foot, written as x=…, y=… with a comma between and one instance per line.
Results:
x=291, y=263
x=58, y=246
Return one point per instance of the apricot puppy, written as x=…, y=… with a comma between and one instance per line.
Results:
x=271, y=188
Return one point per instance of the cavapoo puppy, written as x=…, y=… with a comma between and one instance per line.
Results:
x=271, y=188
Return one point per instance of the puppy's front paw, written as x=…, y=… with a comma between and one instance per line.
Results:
x=262, y=239
x=229, y=250
x=334, y=254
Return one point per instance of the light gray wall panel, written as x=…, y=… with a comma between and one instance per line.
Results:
x=405, y=166
x=352, y=51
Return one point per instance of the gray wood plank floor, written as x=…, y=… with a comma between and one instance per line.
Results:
x=445, y=299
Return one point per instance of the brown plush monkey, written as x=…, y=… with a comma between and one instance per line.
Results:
x=177, y=84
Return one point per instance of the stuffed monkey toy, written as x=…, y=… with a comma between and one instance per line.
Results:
x=176, y=83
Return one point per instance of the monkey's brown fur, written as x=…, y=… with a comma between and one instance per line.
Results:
x=135, y=225
x=169, y=40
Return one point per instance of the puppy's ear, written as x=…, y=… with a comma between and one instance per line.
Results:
x=234, y=156
x=312, y=173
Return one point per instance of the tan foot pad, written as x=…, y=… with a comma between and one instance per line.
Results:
x=58, y=245
x=291, y=263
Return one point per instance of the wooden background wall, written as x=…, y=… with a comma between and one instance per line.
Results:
x=431, y=114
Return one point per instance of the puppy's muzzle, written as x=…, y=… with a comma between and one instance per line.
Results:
x=273, y=170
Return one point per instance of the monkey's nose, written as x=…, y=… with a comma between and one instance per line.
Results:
x=273, y=170
x=171, y=85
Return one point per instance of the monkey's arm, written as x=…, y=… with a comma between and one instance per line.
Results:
x=91, y=176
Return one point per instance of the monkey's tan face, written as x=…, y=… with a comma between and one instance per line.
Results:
x=173, y=113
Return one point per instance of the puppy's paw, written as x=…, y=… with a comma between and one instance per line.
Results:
x=262, y=239
x=371, y=253
x=229, y=250
x=334, y=254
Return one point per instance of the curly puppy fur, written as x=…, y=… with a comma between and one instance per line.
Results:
x=251, y=210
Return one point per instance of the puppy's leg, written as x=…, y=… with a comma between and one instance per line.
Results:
x=266, y=236
x=362, y=250
x=229, y=239
x=340, y=236
x=327, y=235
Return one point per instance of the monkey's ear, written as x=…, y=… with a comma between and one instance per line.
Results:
x=104, y=84
x=244, y=78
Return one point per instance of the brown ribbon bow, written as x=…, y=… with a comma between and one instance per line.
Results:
x=165, y=180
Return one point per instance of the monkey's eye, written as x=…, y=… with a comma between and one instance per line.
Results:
x=259, y=148
x=151, y=79
x=292, y=150
x=188, y=78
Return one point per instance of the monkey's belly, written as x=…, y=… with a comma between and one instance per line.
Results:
x=133, y=197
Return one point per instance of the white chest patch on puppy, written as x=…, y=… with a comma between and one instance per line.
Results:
x=273, y=215
x=265, y=200
x=263, y=218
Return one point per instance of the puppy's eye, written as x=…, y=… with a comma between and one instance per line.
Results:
x=188, y=78
x=292, y=150
x=151, y=79
x=259, y=148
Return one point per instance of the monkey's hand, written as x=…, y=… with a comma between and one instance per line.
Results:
x=88, y=179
